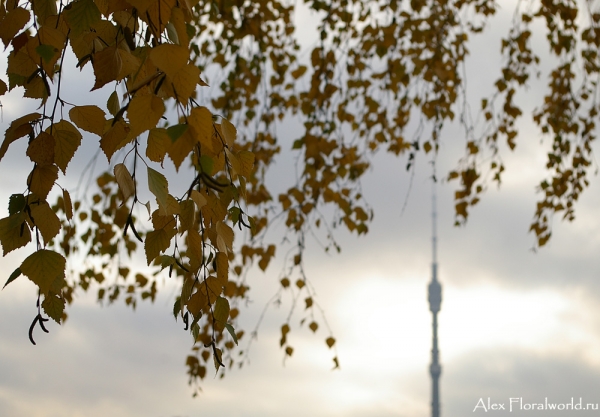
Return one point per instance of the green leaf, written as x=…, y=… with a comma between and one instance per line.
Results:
x=207, y=164
x=113, y=104
x=46, y=52
x=231, y=331
x=43, y=267
x=177, y=307
x=158, y=185
x=16, y=273
x=16, y=203
x=81, y=15
x=234, y=214
x=175, y=132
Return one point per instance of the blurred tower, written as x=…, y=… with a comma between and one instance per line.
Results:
x=435, y=301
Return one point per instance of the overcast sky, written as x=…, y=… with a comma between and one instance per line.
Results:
x=513, y=323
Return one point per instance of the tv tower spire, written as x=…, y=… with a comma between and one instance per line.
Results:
x=435, y=301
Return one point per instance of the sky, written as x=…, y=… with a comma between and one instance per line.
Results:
x=516, y=327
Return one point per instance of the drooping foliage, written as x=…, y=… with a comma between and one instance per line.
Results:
x=381, y=75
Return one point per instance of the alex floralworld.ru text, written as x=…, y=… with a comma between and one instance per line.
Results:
x=517, y=404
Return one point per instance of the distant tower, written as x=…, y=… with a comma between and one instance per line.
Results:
x=435, y=301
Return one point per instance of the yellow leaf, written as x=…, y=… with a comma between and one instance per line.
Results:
x=229, y=132
x=41, y=149
x=201, y=120
x=158, y=185
x=158, y=144
x=66, y=141
x=221, y=312
x=41, y=179
x=43, y=267
x=144, y=112
x=170, y=208
x=162, y=222
x=246, y=159
x=186, y=215
x=124, y=180
x=156, y=242
x=13, y=22
x=198, y=198
x=89, y=118
x=130, y=63
x=178, y=21
x=53, y=306
x=194, y=248
x=113, y=139
x=45, y=219
x=170, y=58
x=181, y=148
x=196, y=303
x=224, y=237
x=17, y=129
x=185, y=82
x=222, y=263
x=211, y=288
x=14, y=232
x=68, y=205
x=107, y=66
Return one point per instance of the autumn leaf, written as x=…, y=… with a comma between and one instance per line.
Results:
x=124, y=180
x=44, y=9
x=224, y=237
x=43, y=267
x=114, y=138
x=222, y=264
x=231, y=331
x=221, y=312
x=198, y=198
x=194, y=248
x=107, y=65
x=186, y=215
x=246, y=160
x=13, y=22
x=169, y=58
x=44, y=218
x=17, y=129
x=66, y=142
x=201, y=120
x=41, y=179
x=14, y=232
x=89, y=118
x=144, y=112
x=81, y=15
x=158, y=185
x=41, y=149
x=229, y=133
x=54, y=306
x=181, y=147
x=158, y=144
x=185, y=81
x=68, y=205
x=156, y=242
